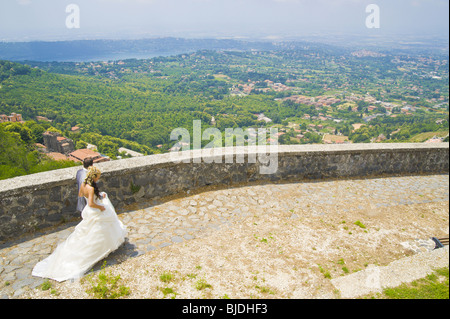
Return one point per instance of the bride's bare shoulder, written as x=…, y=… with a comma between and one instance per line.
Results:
x=86, y=189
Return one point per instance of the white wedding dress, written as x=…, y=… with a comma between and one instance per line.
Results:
x=94, y=238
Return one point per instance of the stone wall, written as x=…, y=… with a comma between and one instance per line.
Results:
x=29, y=203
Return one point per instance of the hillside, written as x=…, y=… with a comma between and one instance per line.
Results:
x=306, y=92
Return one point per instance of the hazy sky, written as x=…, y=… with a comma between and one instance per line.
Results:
x=46, y=19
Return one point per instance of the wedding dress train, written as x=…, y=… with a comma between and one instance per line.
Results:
x=94, y=238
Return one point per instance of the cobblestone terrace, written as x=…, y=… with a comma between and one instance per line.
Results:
x=257, y=241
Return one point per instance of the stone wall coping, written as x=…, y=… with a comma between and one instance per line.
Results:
x=120, y=167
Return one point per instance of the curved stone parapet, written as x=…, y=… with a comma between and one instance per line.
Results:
x=32, y=202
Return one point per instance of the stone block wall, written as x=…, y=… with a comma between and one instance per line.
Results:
x=33, y=202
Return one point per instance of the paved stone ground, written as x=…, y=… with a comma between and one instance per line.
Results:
x=255, y=231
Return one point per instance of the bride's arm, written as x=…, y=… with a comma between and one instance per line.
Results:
x=91, y=200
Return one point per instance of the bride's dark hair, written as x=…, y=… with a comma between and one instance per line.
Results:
x=96, y=190
x=92, y=173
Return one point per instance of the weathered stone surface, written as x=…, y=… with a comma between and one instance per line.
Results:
x=34, y=201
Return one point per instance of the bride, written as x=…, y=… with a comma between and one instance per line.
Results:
x=95, y=237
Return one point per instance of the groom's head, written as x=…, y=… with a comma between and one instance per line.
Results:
x=88, y=162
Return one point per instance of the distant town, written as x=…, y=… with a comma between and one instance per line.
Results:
x=125, y=108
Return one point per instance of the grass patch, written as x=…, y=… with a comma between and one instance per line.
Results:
x=265, y=290
x=106, y=286
x=192, y=276
x=46, y=285
x=358, y=223
x=434, y=286
x=325, y=272
x=168, y=291
x=166, y=277
x=134, y=188
x=202, y=284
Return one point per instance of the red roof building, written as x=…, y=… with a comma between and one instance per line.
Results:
x=81, y=154
x=58, y=156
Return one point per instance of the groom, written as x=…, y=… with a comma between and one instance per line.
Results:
x=81, y=176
